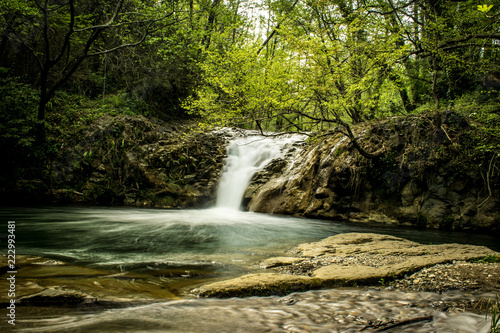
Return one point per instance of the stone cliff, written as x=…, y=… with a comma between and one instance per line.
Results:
x=428, y=176
x=127, y=160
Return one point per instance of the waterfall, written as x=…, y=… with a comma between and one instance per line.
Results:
x=245, y=156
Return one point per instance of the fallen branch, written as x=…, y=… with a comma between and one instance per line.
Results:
x=398, y=324
x=446, y=133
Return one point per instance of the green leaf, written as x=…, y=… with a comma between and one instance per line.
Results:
x=484, y=8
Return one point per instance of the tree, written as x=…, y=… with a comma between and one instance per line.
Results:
x=66, y=33
x=336, y=62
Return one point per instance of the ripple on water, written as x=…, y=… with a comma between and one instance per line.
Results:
x=351, y=310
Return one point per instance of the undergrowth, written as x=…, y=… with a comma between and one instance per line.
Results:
x=492, y=306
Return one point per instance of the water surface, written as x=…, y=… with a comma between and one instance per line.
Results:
x=160, y=254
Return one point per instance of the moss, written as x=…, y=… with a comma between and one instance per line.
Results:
x=487, y=259
x=447, y=223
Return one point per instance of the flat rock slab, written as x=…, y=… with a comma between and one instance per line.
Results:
x=280, y=261
x=260, y=284
x=343, y=260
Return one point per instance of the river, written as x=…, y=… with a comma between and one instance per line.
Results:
x=152, y=258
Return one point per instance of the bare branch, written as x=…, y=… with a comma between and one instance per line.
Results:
x=140, y=41
x=115, y=14
x=488, y=181
x=71, y=26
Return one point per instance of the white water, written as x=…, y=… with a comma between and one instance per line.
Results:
x=152, y=242
x=245, y=156
x=326, y=311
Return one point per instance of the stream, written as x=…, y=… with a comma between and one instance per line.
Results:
x=155, y=257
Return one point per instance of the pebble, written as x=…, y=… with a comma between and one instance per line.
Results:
x=454, y=276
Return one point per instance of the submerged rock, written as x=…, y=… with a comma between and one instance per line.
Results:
x=344, y=260
x=56, y=296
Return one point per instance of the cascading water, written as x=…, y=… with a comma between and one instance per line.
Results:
x=245, y=156
x=125, y=254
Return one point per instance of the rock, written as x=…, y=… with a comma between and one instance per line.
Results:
x=262, y=284
x=279, y=261
x=409, y=193
x=137, y=161
x=418, y=181
x=458, y=275
x=344, y=260
x=56, y=296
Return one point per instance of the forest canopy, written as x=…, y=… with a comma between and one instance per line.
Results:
x=294, y=65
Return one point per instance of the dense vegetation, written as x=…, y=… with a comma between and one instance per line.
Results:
x=286, y=65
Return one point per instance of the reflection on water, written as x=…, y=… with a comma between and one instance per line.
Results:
x=313, y=311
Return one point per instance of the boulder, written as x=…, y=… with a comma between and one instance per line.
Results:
x=350, y=259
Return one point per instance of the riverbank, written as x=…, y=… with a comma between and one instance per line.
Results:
x=424, y=175
x=363, y=259
x=428, y=176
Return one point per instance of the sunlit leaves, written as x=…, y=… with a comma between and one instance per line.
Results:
x=484, y=8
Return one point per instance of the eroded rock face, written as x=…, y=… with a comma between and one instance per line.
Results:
x=344, y=260
x=135, y=161
x=425, y=177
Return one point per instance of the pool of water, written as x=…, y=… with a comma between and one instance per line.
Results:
x=130, y=252
x=132, y=239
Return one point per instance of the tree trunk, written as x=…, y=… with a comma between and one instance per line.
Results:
x=210, y=24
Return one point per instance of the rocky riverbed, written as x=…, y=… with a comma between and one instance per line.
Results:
x=356, y=259
x=345, y=260
x=458, y=275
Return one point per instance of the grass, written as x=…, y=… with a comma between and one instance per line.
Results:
x=492, y=311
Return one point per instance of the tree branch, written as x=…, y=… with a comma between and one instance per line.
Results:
x=71, y=26
x=348, y=132
x=274, y=31
x=141, y=40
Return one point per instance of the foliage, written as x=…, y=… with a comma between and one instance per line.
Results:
x=16, y=127
x=493, y=311
x=308, y=66
x=488, y=259
x=333, y=62
x=65, y=35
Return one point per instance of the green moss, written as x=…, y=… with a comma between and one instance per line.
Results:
x=447, y=223
x=488, y=259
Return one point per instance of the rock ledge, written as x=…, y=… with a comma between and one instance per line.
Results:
x=344, y=260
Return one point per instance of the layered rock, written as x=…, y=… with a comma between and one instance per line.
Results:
x=427, y=176
x=344, y=260
x=132, y=160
